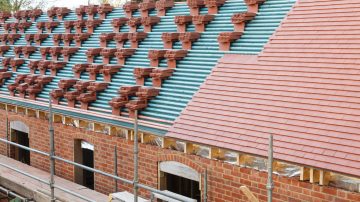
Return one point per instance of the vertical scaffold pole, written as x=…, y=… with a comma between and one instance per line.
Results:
x=115, y=168
x=136, y=155
x=7, y=135
x=205, y=185
x=52, y=152
x=270, y=185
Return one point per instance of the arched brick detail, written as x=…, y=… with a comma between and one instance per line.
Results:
x=181, y=159
x=23, y=119
x=86, y=137
x=20, y=126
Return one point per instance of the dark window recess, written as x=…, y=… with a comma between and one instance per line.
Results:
x=183, y=186
x=84, y=157
x=88, y=157
x=18, y=153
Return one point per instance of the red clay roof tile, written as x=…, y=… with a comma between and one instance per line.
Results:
x=303, y=88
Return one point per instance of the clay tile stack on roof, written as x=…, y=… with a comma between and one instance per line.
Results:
x=304, y=88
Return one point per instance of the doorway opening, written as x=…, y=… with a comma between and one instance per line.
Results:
x=84, y=155
x=180, y=179
x=18, y=153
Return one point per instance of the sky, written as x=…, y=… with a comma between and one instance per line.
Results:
x=70, y=3
x=67, y=3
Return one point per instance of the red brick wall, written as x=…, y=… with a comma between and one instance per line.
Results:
x=224, y=180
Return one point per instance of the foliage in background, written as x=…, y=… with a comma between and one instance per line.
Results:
x=115, y=3
x=15, y=5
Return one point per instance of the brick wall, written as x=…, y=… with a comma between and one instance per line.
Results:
x=224, y=180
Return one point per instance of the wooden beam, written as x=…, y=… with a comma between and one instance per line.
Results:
x=20, y=110
x=169, y=143
x=245, y=159
x=57, y=118
x=190, y=148
x=30, y=112
x=325, y=177
x=130, y=135
x=42, y=115
x=151, y=139
x=217, y=153
x=86, y=125
x=70, y=121
x=314, y=175
x=100, y=128
x=304, y=173
x=279, y=166
x=119, y=132
x=193, y=149
x=251, y=197
x=10, y=108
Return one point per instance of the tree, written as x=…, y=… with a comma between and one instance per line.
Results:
x=115, y=3
x=15, y=5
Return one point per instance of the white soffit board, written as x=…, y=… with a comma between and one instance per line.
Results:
x=86, y=145
x=19, y=126
x=179, y=169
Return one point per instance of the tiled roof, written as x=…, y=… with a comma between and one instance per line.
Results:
x=304, y=88
x=105, y=60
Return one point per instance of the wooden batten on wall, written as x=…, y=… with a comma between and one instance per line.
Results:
x=304, y=173
x=325, y=177
x=57, y=118
x=315, y=176
x=42, y=115
x=31, y=112
x=11, y=108
x=20, y=110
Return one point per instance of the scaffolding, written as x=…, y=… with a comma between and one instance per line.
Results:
x=52, y=156
x=135, y=182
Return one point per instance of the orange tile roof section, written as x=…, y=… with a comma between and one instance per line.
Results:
x=304, y=88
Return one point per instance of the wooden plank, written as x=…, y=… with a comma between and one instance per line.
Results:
x=100, y=128
x=10, y=108
x=145, y=138
x=42, y=115
x=225, y=155
x=20, y=110
x=314, y=175
x=86, y=125
x=151, y=139
x=130, y=135
x=190, y=148
x=107, y=129
x=304, y=173
x=57, y=118
x=217, y=153
x=325, y=177
x=70, y=121
x=251, y=197
x=30, y=113
x=119, y=132
x=194, y=149
x=245, y=159
x=169, y=143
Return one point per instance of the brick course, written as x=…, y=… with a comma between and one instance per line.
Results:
x=224, y=180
